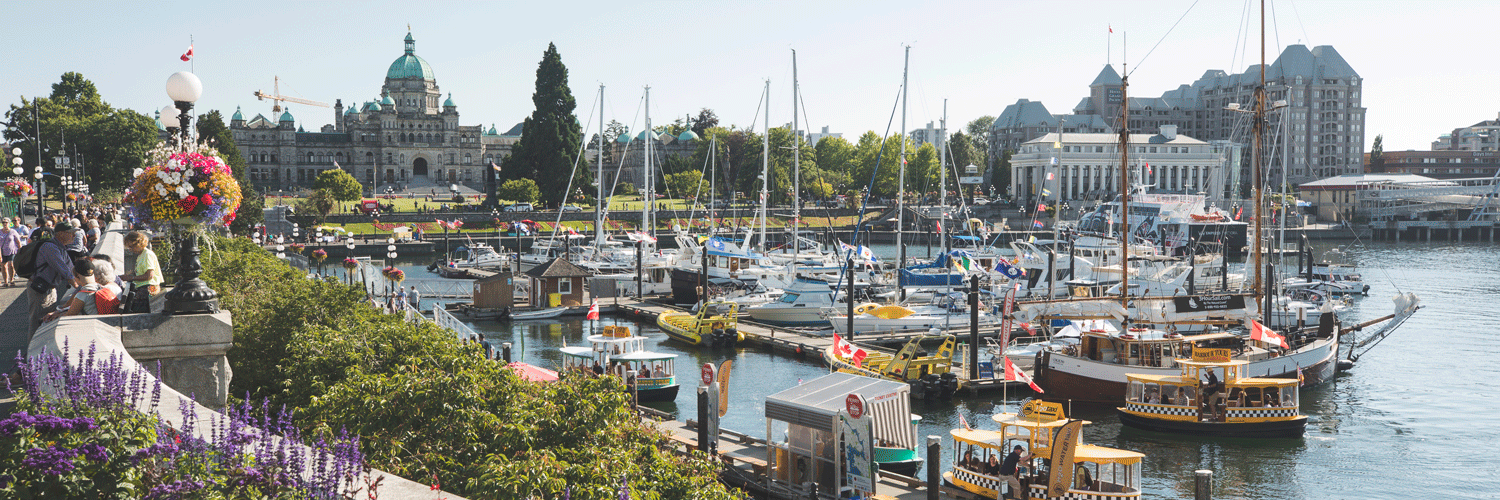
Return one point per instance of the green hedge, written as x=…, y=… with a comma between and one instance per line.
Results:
x=429, y=407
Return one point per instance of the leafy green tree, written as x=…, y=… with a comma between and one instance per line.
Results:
x=109, y=143
x=340, y=184
x=627, y=189
x=214, y=133
x=687, y=184
x=320, y=203
x=519, y=191
x=979, y=134
x=1377, y=154
x=922, y=170
x=705, y=120
x=550, y=136
x=1000, y=179
x=834, y=154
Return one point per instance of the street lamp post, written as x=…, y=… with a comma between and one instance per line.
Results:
x=190, y=295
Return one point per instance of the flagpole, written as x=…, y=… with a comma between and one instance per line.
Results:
x=192, y=64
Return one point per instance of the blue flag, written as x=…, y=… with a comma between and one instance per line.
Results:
x=1038, y=223
x=1007, y=269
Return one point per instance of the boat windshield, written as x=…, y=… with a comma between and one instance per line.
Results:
x=789, y=297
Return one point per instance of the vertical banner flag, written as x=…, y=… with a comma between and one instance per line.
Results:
x=593, y=310
x=1064, y=446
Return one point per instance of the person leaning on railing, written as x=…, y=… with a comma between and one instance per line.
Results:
x=146, y=277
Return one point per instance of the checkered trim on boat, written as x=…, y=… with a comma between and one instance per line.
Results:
x=979, y=480
x=1181, y=411
x=1262, y=412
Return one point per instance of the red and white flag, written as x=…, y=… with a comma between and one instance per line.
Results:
x=847, y=350
x=456, y=224
x=188, y=56
x=1011, y=373
x=593, y=310
x=1263, y=334
x=964, y=422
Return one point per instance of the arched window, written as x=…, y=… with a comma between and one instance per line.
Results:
x=466, y=159
x=311, y=157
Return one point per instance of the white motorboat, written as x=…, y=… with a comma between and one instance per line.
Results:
x=475, y=254
x=548, y=313
x=804, y=304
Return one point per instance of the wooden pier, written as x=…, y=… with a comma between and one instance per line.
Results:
x=808, y=345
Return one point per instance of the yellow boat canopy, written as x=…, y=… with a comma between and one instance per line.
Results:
x=978, y=437
x=1103, y=455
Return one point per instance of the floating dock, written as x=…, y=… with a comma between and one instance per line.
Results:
x=808, y=345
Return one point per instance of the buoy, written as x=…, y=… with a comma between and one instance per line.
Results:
x=799, y=349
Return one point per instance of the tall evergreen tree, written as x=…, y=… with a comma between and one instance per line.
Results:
x=550, y=136
x=212, y=132
x=110, y=143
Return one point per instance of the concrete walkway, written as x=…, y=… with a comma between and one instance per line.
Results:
x=14, y=319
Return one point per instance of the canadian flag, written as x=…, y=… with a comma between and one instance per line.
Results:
x=847, y=350
x=593, y=310
x=188, y=56
x=1011, y=373
x=1263, y=334
x=456, y=224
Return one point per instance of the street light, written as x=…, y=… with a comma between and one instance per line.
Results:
x=190, y=295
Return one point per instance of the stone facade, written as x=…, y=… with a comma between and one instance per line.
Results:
x=409, y=136
x=1086, y=166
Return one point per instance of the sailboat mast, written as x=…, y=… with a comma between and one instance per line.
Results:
x=765, y=168
x=599, y=179
x=901, y=176
x=796, y=167
x=649, y=179
x=1255, y=172
x=942, y=164
x=1124, y=187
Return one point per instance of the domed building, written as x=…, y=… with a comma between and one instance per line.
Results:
x=407, y=138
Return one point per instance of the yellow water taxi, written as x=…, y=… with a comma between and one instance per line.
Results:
x=1214, y=396
x=1047, y=437
x=708, y=323
x=931, y=376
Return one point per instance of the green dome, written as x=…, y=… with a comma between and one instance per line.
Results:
x=623, y=139
x=159, y=126
x=353, y=110
x=286, y=116
x=448, y=103
x=492, y=131
x=372, y=106
x=688, y=135
x=642, y=136
x=237, y=115
x=410, y=65
x=385, y=99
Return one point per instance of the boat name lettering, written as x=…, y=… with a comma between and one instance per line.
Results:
x=1211, y=355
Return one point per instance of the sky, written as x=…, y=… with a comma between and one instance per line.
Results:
x=1425, y=67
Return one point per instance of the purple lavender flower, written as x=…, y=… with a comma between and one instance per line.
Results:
x=94, y=452
x=50, y=460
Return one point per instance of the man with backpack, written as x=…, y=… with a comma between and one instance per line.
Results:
x=48, y=266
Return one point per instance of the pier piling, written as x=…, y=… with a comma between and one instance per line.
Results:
x=934, y=472
x=1204, y=488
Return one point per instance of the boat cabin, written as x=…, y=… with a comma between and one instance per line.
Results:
x=802, y=434
x=617, y=352
x=1096, y=471
x=1211, y=388
x=1148, y=347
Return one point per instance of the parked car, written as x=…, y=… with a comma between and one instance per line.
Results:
x=572, y=208
x=519, y=207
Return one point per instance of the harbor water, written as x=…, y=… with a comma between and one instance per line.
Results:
x=1411, y=419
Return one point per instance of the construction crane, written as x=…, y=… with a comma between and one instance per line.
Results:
x=278, y=98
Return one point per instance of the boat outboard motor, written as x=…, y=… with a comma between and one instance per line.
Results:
x=931, y=387
x=949, y=384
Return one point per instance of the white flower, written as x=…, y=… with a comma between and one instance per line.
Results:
x=161, y=190
x=163, y=176
x=184, y=190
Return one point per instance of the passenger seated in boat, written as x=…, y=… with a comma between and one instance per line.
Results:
x=644, y=373
x=994, y=466
x=659, y=373
x=598, y=368
x=1153, y=398
x=1083, y=479
x=969, y=462
x=1182, y=399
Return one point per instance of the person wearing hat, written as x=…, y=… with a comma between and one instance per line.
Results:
x=10, y=243
x=53, y=270
x=1008, y=471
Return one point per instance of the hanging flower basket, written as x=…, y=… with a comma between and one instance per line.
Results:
x=193, y=188
x=350, y=263
x=298, y=247
x=319, y=255
x=18, y=188
x=393, y=274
